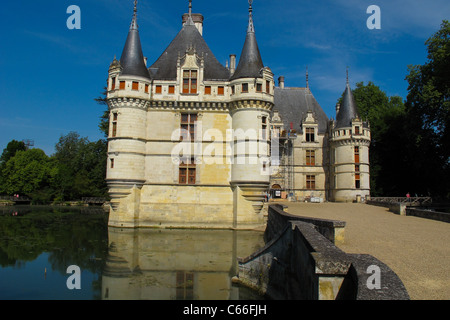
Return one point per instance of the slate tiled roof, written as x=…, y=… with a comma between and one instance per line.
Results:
x=165, y=68
x=250, y=62
x=293, y=105
x=132, y=59
x=348, y=109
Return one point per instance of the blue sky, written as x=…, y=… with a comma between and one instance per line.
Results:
x=50, y=75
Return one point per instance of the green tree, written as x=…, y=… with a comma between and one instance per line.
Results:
x=11, y=149
x=27, y=172
x=66, y=154
x=104, y=119
x=428, y=105
x=81, y=167
x=91, y=161
x=429, y=85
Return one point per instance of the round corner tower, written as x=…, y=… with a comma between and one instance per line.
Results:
x=128, y=97
x=350, y=141
x=252, y=100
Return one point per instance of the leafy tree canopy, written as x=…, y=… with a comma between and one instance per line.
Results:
x=11, y=149
x=429, y=90
x=26, y=172
x=81, y=167
x=428, y=105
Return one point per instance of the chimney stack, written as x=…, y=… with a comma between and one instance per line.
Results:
x=232, y=63
x=198, y=20
x=281, y=82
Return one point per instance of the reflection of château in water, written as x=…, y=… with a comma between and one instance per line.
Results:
x=153, y=109
x=158, y=264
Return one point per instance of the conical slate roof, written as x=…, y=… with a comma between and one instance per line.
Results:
x=165, y=68
x=250, y=62
x=348, y=109
x=132, y=59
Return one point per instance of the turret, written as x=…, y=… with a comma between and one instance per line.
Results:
x=350, y=141
x=251, y=105
x=128, y=98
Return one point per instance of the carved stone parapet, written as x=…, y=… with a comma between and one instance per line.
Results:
x=350, y=141
x=189, y=106
x=251, y=104
x=117, y=103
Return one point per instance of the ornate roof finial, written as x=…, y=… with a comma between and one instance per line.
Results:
x=190, y=21
x=307, y=77
x=134, y=25
x=132, y=59
x=251, y=27
x=250, y=62
x=347, y=74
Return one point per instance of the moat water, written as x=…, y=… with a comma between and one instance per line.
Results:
x=39, y=244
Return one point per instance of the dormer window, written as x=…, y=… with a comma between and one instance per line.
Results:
x=309, y=135
x=190, y=81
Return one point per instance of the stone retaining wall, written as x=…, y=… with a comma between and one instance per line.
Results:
x=428, y=214
x=395, y=207
x=403, y=208
x=300, y=261
x=333, y=230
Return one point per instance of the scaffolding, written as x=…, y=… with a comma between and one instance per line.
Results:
x=290, y=168
x=28, y=143
x=287, y=164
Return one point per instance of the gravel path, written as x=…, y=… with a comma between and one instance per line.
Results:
x=416, y=249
